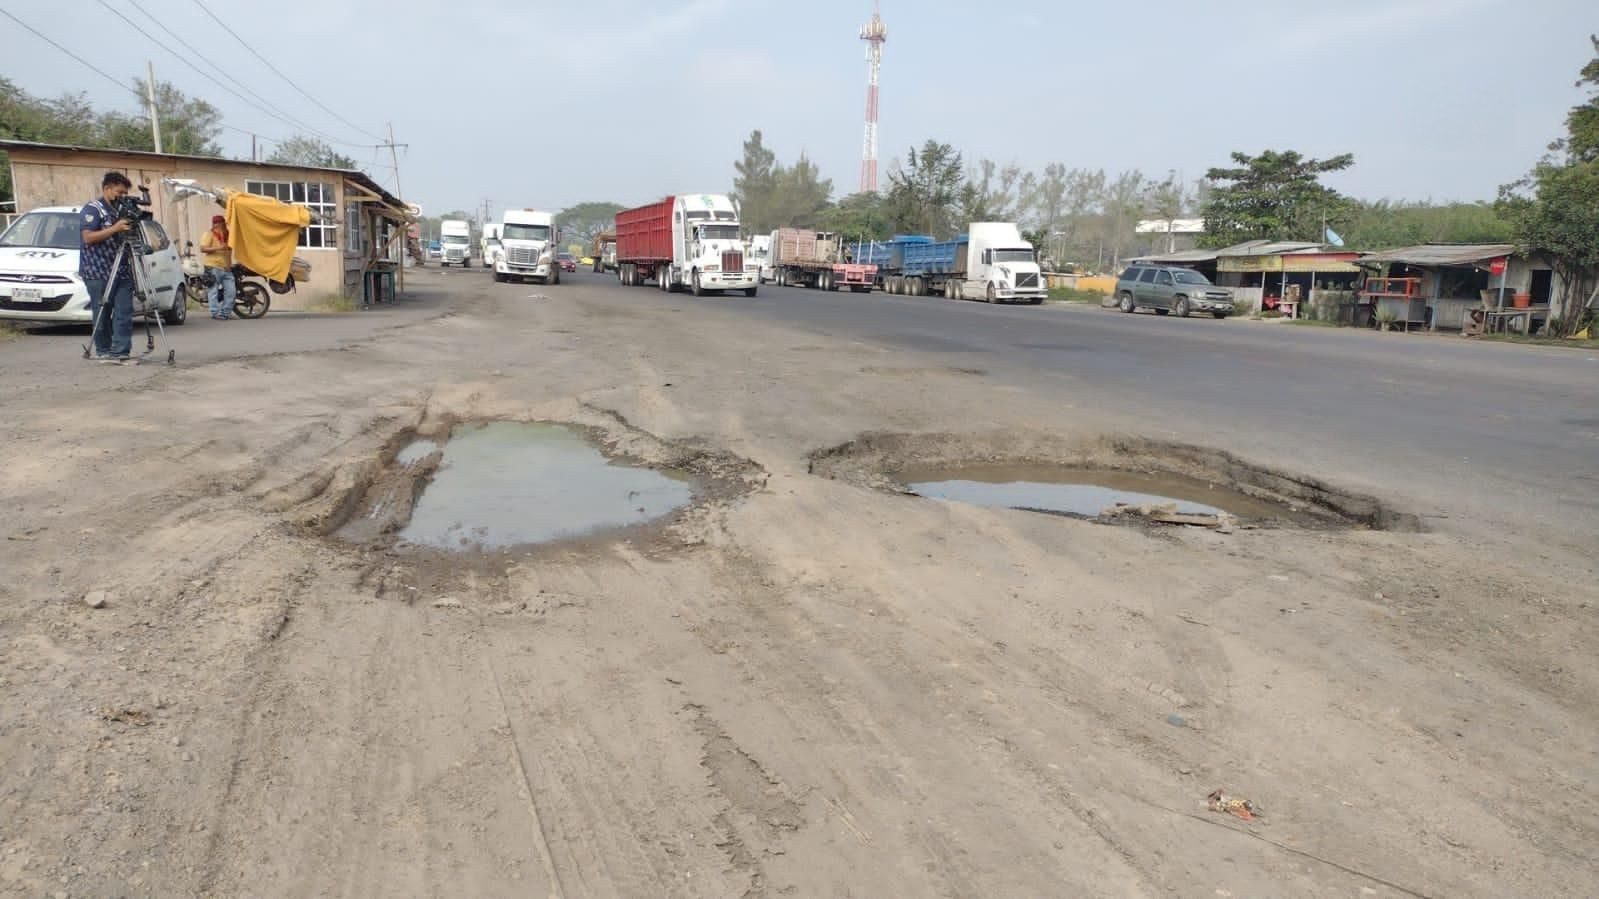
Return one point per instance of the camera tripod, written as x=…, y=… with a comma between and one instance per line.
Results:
x=130, y=247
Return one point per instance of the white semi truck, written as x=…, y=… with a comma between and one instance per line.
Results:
x=527, y=247
x=456, y=236
x=687, y=242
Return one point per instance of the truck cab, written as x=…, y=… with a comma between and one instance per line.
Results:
x=457, y=238
x=1002, y=266
x=527, y=247
x=759, y=255
x=707, y=252
x=488, y=240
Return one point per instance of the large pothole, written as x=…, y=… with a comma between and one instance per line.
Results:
x=1093, y=480
x=488, y=486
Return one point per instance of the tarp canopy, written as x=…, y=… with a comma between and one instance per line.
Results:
x=263, y=233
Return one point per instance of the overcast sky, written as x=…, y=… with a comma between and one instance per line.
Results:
x=547, y=103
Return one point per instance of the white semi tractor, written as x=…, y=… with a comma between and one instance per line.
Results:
x=527, y=247
x=456, y=236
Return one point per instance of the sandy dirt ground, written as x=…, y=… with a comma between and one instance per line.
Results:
x=802, y=686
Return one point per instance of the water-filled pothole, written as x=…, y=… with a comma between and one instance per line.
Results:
x=498, y=484
x=514, y=483
x=1045, y=472
x=1080, y=492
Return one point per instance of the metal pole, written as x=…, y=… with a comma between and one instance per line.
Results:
x=155, y=120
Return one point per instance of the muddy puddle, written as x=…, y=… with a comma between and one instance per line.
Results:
x=1079, y=492
x=499, y=484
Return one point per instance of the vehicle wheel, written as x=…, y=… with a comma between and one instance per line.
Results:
x=824, y=281
x=1036, y=301
x=555, y=277
x=466, y=263
x=253, y=300
x=749, y=291
x=1218, y=315
x=499, y=278
x=991, y=295
x=179, y=313
x=1182, y=307
x=698, y=290
x=195, y=292
x=1125, y=303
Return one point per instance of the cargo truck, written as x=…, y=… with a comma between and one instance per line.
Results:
x=802, y=258
x=457, y=238
x=686, y=242
x=604, y=252
x=758, y=253
x=488, y=241
x=990, y=262
x=527, y=247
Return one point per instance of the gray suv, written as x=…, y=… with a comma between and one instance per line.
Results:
x=1171, y=288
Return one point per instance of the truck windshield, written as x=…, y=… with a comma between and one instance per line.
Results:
x=525, y=232
x=1013, y=255
x=454, y=238
x=718, y=232
x=1190, y=278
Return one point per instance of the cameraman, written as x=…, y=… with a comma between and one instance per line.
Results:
x=102, y=231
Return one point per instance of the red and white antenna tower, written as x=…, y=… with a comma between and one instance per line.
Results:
x=874, y=33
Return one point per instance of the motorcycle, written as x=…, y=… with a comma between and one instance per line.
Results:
x=251, y=299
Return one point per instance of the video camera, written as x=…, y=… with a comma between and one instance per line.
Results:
x=134, y=209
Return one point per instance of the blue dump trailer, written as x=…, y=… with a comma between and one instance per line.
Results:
x=990, y=262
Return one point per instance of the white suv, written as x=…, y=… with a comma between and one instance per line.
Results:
x=39, y=270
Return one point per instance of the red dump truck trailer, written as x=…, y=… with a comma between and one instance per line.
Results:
x=684, y=242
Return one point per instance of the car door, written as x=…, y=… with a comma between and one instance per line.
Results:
x=161, y=265
x=1160, y=296
x=1144, y=295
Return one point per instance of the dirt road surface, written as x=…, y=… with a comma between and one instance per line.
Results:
x=802, y=686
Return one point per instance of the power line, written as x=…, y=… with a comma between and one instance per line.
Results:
x=287, y=121
x=205, y=9
x=187, y=46
x=81, y=61
x=114, y=80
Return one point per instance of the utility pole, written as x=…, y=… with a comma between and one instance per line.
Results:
x=254, y=157
x=155, y=120
x=405, y=228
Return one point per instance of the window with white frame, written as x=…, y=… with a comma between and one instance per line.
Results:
x=319, y=197
x=354, y=234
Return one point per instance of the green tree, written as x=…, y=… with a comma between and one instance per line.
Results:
x=923, y=192
x=1276, y=195
x=861, y=216
x=1383, y=224
x=305, y=150
x=583, y=221
x=993, y=193
x=755, y=183
x=799, y=194
x=1554, y=210
x=1123, y=205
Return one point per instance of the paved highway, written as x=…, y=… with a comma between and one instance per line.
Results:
x=1481, y=437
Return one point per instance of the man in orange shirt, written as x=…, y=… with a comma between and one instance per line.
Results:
x=218, y=258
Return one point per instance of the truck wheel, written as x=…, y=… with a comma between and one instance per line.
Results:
x=555, y=277
x=749, y=291
x=1182, y=307
x=824, y=281
x=1125, y=303
x=698, y=290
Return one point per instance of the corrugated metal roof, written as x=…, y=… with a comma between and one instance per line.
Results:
x=1269, y=248
x=355, y=175
x=1443, y=254
x=1183, y=257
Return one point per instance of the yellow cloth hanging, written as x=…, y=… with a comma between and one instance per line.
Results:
x=263, y=233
